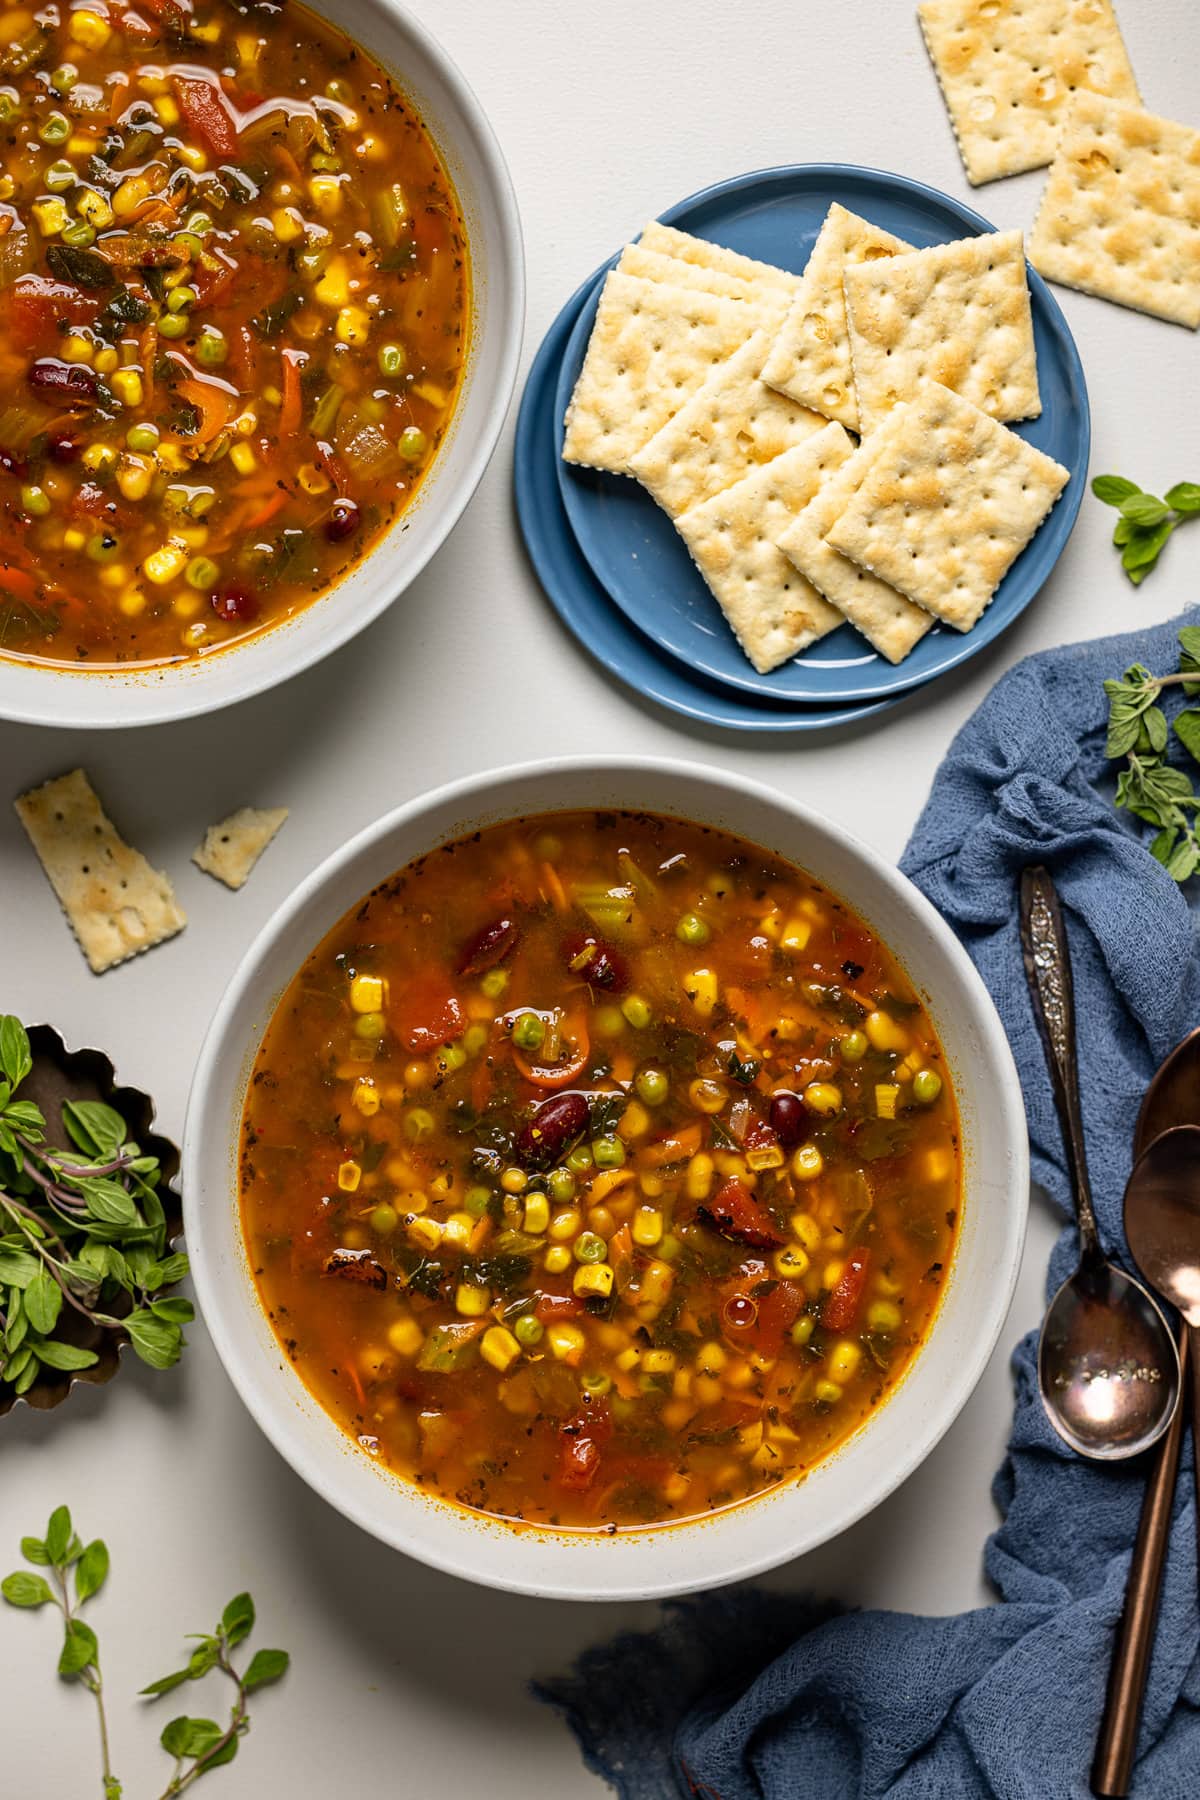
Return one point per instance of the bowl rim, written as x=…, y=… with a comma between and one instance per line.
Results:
x=58, y=694
x=272, y=1415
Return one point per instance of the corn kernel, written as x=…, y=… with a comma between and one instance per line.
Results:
x=127, y=386
x=884, y=1033
x=843, y=1361
x=796, y=934
x=593, y=1278
x=73, y=538
x=884, y=1316
x=652, y=1185
x=707, y=1096
x=659, y=1362
x=499, y=1347
x=537, y=1214
x=827, y=1392
x=366, y=1098
x=366, y=994
x=886, y=1096
x=333, y=287
x=115, y=575
x=405, y=1337
x=312, y=479
x=205, y=34
x=711, y=1359
x=348, y=1177
x=832, y=1273
x=791, y=1262
x=471, y=1300
x=656, y=1284
x=457, y=1229
x=131, y=194
x=698, y=1181
x=94, y=208
x=49, y=215
x=514, y=1181
x=89, y=29
x=565, y=1224
x=823, y=1097
x=325, y=192
x=353, y=325
x=557, y=1259
x=805, y=1230
x=807, y=1163
x=634, y=1121
x=243, y=458
x=166, y=109
x=287, y=224
x=647, y=1226
x=164, y=565
x=627, y=1359
x=193, y=156
x=702, y=990
x=707, y=1390
x=426, y=1234
x=77, y=349
x=739, y=1374
x=566, y=1342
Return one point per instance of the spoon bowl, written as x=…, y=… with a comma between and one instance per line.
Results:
x=1162, y=1218
x=1107, y=1364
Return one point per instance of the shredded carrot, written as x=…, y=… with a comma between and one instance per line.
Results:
x=289, y=413
x=352, y=1372
x=685, y=1143
x=214, y=405
x=558, y=898
x=117, y=102
x=266, y=511
x=560, y=1074
x=148, y=354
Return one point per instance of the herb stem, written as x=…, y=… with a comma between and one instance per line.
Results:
x=238, y=1722
x=93, y=1682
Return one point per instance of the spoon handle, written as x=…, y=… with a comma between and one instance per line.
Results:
x=1048, y=972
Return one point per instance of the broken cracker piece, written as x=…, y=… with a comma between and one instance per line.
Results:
x=231, y=849
x=670, y=241
x=117, y=905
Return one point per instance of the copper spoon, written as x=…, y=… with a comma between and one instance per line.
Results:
x=1173, y=1098
x=1108, y=1366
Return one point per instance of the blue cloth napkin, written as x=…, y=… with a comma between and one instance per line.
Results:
x=751, y=1696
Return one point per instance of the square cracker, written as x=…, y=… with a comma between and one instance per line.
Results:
x=1009, y=69
x=810, y=358
x=651, y=347
x=773, y=610
x=731, y=424
x=1120, y=217
x=957, y=314
x=653, y=265
x=707, y=255
x=889, y=622
x=116, y=903
x=231, y=849
x=947, y=504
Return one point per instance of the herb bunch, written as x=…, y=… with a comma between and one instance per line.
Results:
x=79, y=1229
x=77, y=1571
x=1149, y=786
x=1146, y=522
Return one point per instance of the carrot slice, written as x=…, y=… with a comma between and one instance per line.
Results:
x=214, y=405
x=289, y=412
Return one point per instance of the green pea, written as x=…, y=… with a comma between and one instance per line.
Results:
x=692, y=929
x=412, y=444
x=494, y=984
x=10, y=105
x=78, y=234
x=180, y=298
x=609, y=1021
x=418, y=1123
x=142, y=437
x=212, y=348
x=927, y=1085
x=803, y=1329
x=174, y=325
x=34, y=500
x=383, y=1219
x=63, y=78
x=369, y=1025
x=59, y=177
x=477, y=1201
x=474, y=1039
x=853, y=1046
x=527, y=1330
x=451, y=1057
x=580, y=1159
x=589, y=1247
x=652, y=1086
x=636, y=1011
x=529, y=1032
x=608, y=1152
x=187, y=240
x=392, y=359
x=595, y=1385
x=202, y=573
x=102, y=547
x=323, y=163
x=198, y=222
x=55, y=129
x=560, y=1185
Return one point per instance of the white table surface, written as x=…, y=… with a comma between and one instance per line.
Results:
x=405, y=1681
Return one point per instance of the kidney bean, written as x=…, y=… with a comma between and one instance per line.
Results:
x=788, y=1119
x=62, y=446
x=236, y=605
x=554, y=1125
x=489, y=947
x=596, y=962
x=71, y=384
x=343, y=521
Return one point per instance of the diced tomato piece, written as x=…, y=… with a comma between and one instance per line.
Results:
x=553, y=1308
x=427, y=1015
x=37, y=306
x=841, y=1309
x=204, y=107
x=777, y=1313
x=737, y=1214
x=579, y=1462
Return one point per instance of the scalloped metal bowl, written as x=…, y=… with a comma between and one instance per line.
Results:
x=60, y=1074
x=40, y=694
x=745, y=1539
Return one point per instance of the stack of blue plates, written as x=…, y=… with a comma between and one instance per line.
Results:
x=620, y=578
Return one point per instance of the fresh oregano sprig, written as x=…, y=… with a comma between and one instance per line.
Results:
x=1149, y=786
x=77, y=1572
x=78, y=1228
x=1146, y=522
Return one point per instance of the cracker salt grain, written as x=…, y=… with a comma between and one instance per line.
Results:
x=706, y=255
x=955, y=313
x=810, y=358
x=889, y=622
x=117, y=905
x=231, y=849
x=1120, y=217
x=1009, y=70
x=773, y=610
x=652, y=265
x=733, y=423
x=948, y=503
x=651, y=347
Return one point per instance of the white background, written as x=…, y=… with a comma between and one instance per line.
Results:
x=407, y=1682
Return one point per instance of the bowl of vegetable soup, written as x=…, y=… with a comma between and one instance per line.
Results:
x=605, y=1179
x=261, y=298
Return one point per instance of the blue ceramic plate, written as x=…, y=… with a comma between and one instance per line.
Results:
x=633, y=548
x=584, y=606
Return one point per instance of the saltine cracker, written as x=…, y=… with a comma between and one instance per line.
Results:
x=231, y=849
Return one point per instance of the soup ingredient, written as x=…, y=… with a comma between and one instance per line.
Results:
x=231, y=849
x=82, y=1230
x=1146, y=522
x=599, y=1170
x=233, y=316
x=116, y=904
x=76, y=1572
x=1151, y=786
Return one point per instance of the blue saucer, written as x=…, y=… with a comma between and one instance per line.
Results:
x=584, y=606
x=633, y=548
